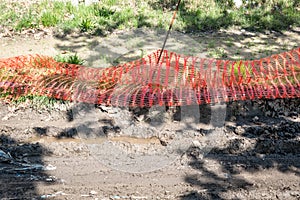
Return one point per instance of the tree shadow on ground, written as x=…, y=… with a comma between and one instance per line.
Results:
x=127, y=46
x=264, y=35
x=21, y=169
x=257, y=144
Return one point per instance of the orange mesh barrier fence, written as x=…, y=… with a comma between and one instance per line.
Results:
x=176, y=80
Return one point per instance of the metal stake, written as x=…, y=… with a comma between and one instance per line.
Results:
x=171, y=24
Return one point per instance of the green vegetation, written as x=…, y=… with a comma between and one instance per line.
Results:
x=240, y=70
x=49, y=19
x=36, y=100
x=217, y=53
x=86, y=25
x=288, y=76
x=109, y=15
x=71, y=59
x=244, y=72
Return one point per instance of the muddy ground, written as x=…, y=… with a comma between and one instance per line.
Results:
x=52, y=152
x=238, y=150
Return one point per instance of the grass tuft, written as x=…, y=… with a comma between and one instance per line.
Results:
x=49, y=19
x=71, y=59
x=86, y=25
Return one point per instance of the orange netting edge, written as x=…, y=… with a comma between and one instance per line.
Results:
x=176, y=80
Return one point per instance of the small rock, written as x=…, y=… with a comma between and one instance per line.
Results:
x=77, y=149
x=255, y=119
x=268, y=113
x=295, y=194
x=227, y=175
x=232, y=118
x=49, y=168
x=116, y=197
x=286, y=113
x=93, y=192
x=239, y=130
x=50, y=179
x=267, y=32
x=261, y=156
x=5, y=156
x=140, y=118
x=196, y=143
x=264, y=194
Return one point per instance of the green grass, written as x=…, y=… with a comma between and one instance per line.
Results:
x=86, y=25
x=36, y=100
x=27, y=21
x=240, y=70
x=49, y=19
x=71, y=59
x=244, y=72
x=123, y=14
x=217, y=53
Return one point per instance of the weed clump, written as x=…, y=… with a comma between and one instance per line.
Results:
x=71, y=59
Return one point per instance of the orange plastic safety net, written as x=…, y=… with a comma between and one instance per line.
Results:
x=176, y=80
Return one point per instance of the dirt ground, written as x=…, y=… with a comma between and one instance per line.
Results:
x=238, y=150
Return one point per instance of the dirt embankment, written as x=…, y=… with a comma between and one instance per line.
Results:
x=58, y=152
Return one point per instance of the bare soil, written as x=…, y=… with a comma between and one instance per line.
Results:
x=57, y=152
